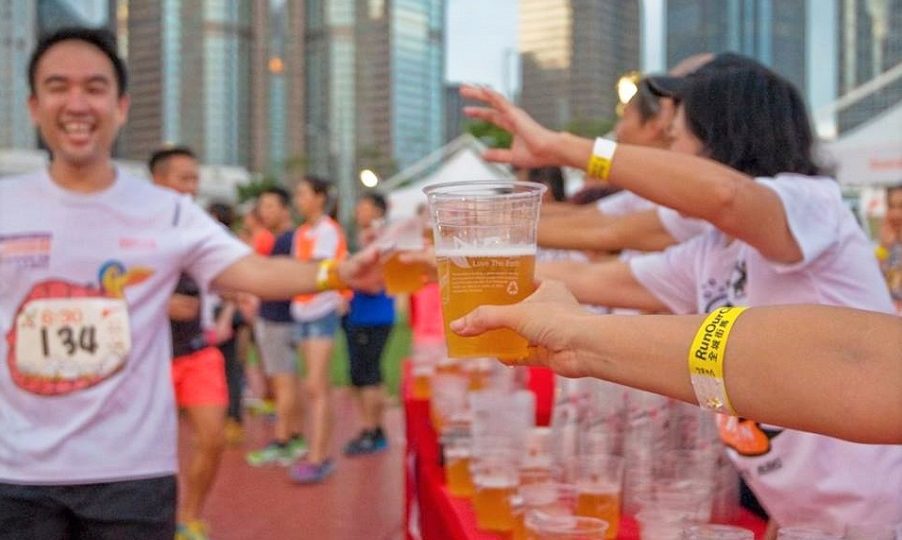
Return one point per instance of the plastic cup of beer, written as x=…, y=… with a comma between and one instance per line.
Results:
x=485, y=248
x=717, y=532
x=599, y=481
x=399, y=238
x=805, y=533
x=542, y=526
x=550, y=498
x=457, y=454
x=495, y=479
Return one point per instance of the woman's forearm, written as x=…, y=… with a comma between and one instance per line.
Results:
x=814, y=368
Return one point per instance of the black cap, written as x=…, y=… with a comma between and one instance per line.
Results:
x=666, y=85
x=673, y=87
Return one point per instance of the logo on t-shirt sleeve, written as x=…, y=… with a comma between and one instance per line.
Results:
x=66, y=337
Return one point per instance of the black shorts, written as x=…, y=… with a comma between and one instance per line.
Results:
x=365, y=346
x=135, y=509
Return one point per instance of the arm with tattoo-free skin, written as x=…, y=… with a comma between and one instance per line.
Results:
x=695, y=186
x=835, y=371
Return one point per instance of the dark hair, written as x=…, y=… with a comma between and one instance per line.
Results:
x=321, y=186
x=101, y=38
x=751, y=119
x=223, y=213
x=552, y=177
x=647, y=102
x=892, y=189
x=377, y=199
x=279, y=192
x=592, y=193
x=159, y=157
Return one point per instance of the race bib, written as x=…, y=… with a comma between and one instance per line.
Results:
x=72, y=339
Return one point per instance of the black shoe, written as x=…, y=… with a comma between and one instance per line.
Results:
x=368, y=442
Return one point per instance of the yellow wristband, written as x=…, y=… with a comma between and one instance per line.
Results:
x=599, y=165
x=882, y=253
x=327, y=278
x=706, y=358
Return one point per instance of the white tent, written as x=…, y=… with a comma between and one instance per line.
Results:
x=459, y=160
x=871, y=154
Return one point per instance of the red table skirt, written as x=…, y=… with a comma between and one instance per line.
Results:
x=431, y=513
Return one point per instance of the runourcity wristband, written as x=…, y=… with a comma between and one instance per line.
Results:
x=599, y=165
x=706, y=357
x=327, y=276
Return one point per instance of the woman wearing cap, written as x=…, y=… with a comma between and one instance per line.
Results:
x=742, y=160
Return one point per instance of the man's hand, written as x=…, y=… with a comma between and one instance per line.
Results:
x=362, y=271
x=549, y=319
x=532, y=145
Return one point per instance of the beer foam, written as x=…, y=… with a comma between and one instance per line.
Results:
x=486, y=251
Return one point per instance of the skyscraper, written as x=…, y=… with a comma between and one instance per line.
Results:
x=17, y=36
x=189, y=64
x=572, y=54
x=400, y=89
x=870, y=37
x=375, y=70
x=772, y=32
x=277, y=122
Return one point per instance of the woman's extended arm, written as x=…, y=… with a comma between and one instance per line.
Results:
x=836, y=371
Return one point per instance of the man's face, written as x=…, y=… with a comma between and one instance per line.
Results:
x=76, y=104
x=180, y=173
x=273, y=214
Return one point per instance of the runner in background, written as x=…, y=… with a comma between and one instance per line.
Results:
x=274, y=332
x=198, y=367
x=317, y=320
x=368, y=326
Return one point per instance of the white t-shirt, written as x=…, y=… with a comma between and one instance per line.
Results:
x=800, y=477
x=680, y=227
x=326, y=238
x=85, y=279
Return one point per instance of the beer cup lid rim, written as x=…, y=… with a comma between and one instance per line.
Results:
x=480, y=187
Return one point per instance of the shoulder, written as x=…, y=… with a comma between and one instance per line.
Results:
x=820, y=186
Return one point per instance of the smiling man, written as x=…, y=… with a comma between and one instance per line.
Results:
x=89, y=257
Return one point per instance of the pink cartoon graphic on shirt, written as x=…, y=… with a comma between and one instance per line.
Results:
x=67, y=337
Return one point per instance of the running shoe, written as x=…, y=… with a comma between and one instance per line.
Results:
x=368, y=442
x=305, y=472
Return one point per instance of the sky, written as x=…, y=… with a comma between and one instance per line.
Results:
x=482, y=38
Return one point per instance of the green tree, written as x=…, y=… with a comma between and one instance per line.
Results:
x=590, y=127
x=255, y=187
x=490, y=134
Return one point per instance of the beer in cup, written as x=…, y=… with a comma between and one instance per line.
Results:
x=399, y=238
x=485, y=247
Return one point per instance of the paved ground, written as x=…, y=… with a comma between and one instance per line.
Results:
x=361, y=500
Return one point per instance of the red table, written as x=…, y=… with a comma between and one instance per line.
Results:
x=431, y=513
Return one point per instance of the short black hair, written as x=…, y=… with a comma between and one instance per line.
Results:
x=751, y=119
x=377, y=199
x=101, y=38
x=279, y=192
x=160, y=156
x=320, y=186
x=553, y=178
x=648, y=103
x=223, y=213
x=892, y=189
